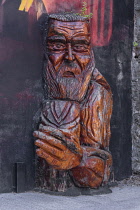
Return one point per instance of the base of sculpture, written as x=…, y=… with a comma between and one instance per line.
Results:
x=76, y=191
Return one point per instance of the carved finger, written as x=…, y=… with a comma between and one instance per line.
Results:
x=56, y=152
x=51, y=160
x=39, y=135
x=62, y=135
x=96, y=152
x=50, y=140
x=51, y=131
x=58, y=133
x=58, y=140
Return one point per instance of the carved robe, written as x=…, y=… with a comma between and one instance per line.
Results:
x=88, y=124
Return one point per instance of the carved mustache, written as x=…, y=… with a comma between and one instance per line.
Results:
x=69, y=69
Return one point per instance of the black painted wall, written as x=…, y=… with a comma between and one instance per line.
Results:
x=20, y=95
x=21, y=90
x=114, y=62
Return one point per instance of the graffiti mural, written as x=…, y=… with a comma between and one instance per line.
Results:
x=101, y=22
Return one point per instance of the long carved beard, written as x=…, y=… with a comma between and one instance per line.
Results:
x=68, y=88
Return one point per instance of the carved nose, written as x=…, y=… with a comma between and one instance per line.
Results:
x=69, y=55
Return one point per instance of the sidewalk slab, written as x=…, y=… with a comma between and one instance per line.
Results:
x=121, y=198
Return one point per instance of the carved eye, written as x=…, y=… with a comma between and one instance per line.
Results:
x=59, y=45
x=56, y=46
x=80, y=47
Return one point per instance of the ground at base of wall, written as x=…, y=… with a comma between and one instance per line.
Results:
x=134, y=180
x=121, y=198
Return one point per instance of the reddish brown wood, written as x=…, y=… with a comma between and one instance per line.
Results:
x=75, y=121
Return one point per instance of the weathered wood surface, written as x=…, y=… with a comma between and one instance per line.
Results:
x=74, y=131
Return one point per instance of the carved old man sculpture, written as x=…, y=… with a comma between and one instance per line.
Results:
x=75, y=121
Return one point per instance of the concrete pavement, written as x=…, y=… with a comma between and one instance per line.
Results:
x=122, y=198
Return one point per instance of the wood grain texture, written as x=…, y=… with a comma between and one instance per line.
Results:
x=74, y=132
x=59, y=134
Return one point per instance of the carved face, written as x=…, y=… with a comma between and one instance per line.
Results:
x=69, y=46
x=70, y=60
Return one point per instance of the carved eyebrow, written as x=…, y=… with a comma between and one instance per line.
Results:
x=82, y=38
x=56, y=32
x=56, y=38
x=80, y=42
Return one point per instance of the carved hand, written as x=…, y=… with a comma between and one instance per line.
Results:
x=94, y=168
x=58, y=148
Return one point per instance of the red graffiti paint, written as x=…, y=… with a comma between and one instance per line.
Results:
x=94, y=23
x=55, y=6
x=110, y=20
x=101, y=22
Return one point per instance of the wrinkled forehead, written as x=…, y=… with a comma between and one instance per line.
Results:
x=75, y=28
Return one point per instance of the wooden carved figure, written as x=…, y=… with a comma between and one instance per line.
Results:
x=75, y=120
